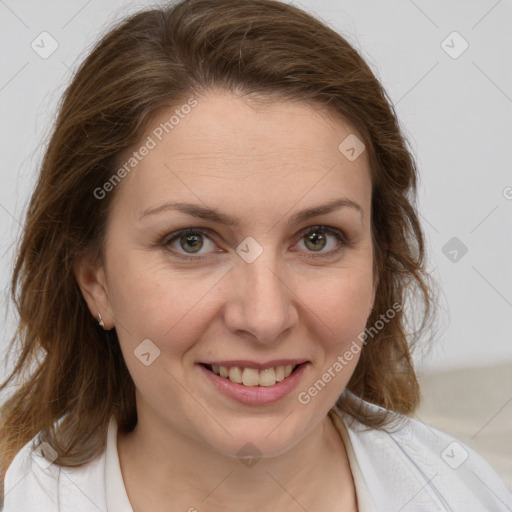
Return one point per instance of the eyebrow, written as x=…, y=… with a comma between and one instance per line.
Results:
x=201, y=212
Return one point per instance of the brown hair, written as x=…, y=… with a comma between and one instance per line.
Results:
x=151, y=60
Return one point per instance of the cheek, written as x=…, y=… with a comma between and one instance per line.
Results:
x=341, y=309
x=341, y=302
x=151, y=302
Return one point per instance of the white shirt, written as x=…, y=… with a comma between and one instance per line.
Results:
x=413, y=469
x=117, y=499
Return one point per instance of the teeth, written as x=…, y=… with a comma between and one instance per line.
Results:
x=253, y=377
x=267, y=377
x=250, y=377
x=279, y=373
x=235, y=374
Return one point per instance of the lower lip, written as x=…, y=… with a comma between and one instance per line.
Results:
x=256, y=395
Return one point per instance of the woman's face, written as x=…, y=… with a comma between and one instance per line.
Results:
x=258, y=282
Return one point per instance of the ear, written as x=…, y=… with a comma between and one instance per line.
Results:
x=91, y=279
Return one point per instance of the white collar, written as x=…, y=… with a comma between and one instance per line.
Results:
x=115, y=491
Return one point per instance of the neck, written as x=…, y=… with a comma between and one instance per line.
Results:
x=190, y=475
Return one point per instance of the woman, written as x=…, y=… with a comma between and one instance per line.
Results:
x=216, y=261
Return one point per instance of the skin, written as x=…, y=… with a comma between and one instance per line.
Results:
x=261, y=164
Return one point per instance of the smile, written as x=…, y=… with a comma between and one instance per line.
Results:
x=251, y=376
x=252, y=383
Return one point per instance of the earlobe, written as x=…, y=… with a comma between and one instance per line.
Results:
x=93, y=285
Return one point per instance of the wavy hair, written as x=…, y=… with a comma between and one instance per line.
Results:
x=73, y=375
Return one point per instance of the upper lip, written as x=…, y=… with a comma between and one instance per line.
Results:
x=245, y=363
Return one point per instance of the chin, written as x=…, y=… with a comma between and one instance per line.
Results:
x=267, y=438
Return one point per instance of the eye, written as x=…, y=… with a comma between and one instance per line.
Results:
x=189, y=241
x=316, y=239
x=195, y=242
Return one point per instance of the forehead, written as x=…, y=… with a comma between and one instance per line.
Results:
x=227, y=147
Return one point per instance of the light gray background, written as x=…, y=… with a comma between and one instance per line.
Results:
x=456, y=112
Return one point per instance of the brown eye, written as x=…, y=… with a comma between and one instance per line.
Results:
x=189, y=241
x=193, y=241
x=315, y=241
x=318, y=238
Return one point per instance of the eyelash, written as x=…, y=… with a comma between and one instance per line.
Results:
x=341, y=238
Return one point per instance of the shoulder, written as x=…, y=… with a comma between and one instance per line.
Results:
x=421, y=464
x=33, y=482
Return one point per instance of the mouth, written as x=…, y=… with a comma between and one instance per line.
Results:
x=254, y=384
x=253, y=377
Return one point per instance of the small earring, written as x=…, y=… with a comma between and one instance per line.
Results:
x=100, y=321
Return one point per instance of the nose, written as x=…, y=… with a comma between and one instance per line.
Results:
x=261, y=303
